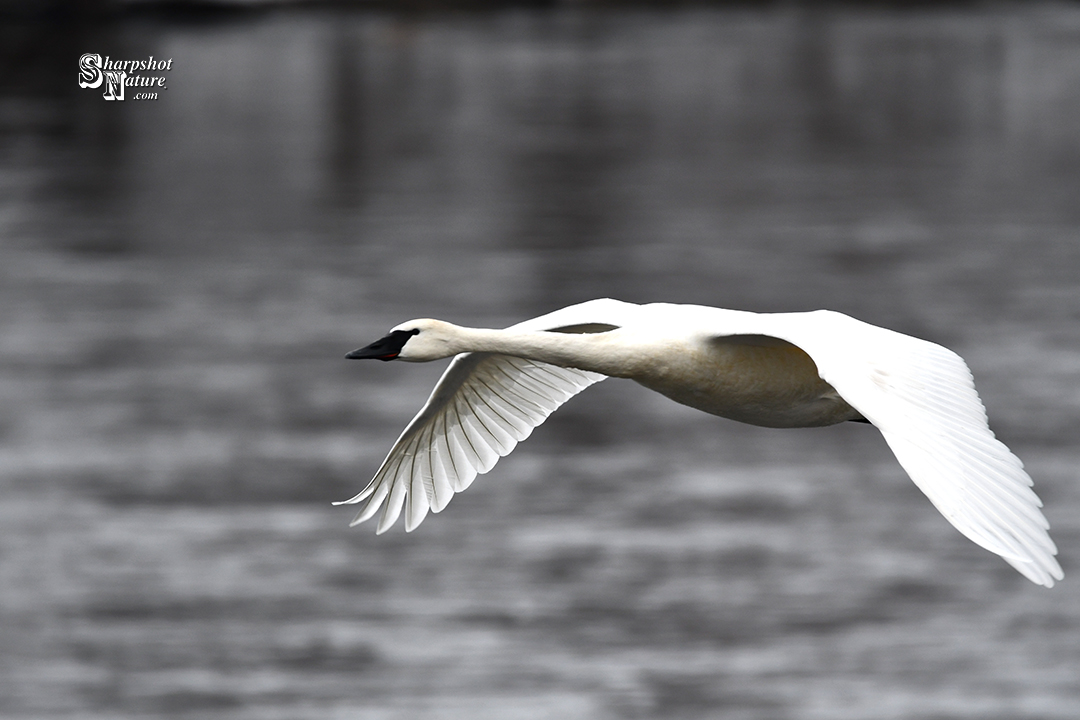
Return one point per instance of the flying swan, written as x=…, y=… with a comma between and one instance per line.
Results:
x=805, y=369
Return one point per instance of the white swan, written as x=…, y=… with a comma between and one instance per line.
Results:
x=776, y=370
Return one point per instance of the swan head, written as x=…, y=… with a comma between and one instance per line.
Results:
x=413, y=341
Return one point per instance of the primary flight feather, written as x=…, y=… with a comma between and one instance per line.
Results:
x=775, y=370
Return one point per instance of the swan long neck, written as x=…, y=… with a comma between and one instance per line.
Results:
x=597, y=352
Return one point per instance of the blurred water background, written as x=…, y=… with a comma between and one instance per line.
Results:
x=180, y=279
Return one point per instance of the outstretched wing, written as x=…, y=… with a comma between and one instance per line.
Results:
x=481, y=408
x=922, y=398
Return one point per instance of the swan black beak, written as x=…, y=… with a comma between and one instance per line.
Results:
x=386, y=348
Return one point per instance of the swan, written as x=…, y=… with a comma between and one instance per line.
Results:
x=783, y=370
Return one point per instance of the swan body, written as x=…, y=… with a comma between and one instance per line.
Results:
x=780, y=370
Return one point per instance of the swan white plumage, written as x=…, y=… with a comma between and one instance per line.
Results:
x=777, y=370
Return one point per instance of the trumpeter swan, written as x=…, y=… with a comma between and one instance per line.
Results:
x=777, y=370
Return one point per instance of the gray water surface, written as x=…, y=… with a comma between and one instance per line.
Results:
x=180, y=279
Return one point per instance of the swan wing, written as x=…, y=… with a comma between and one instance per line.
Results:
x=922, y=398
x=481, y=408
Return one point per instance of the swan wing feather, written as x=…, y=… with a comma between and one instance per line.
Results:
x=922, y=398
x=481, y=408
